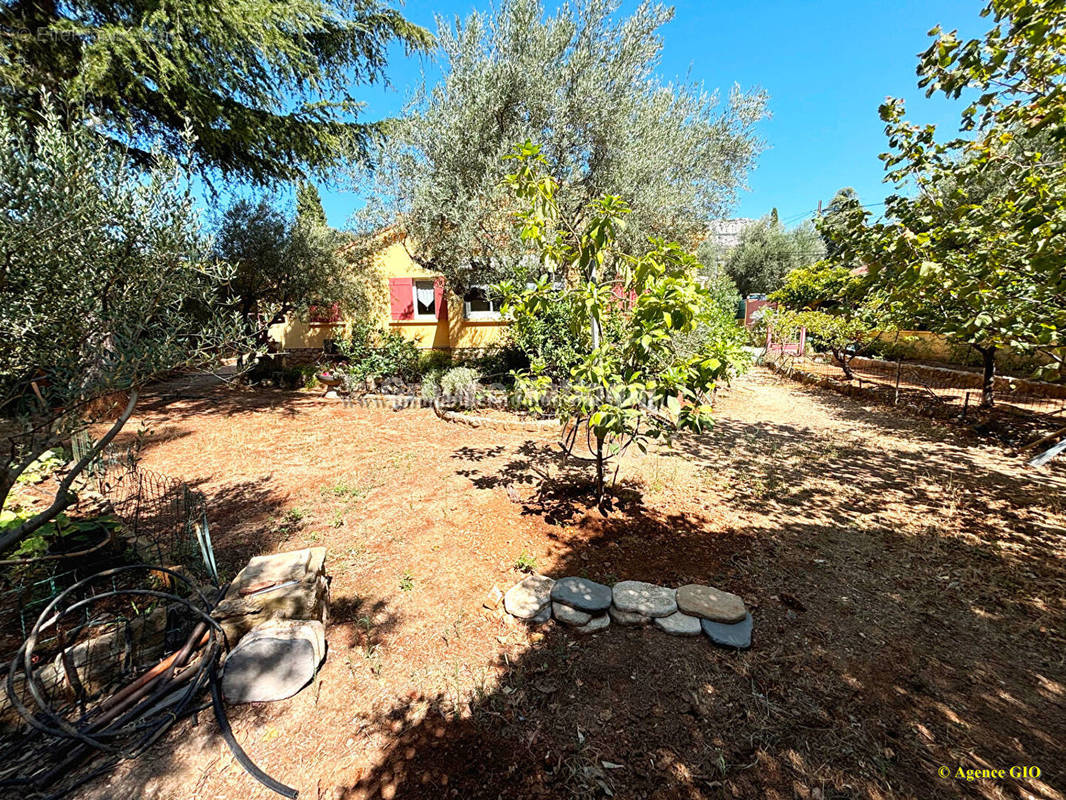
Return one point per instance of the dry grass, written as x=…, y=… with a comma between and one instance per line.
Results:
x=907, y=585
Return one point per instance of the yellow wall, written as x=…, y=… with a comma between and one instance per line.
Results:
x=925, y=345
x=928, y=346
x=295, y=334
x=393, y=261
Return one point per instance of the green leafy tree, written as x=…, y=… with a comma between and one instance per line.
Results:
x=284, y=266
x=767, y=251
x=264, y=88
x=106, y=282
x=976, y=252
x=844, y=336
x=839, y=208
x=723, y=291
x=821, y=286
x=582, y=83
x=657, y=344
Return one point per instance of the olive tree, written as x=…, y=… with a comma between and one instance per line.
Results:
x=106, y=281
x=767, y=251
x=284, y=264
x=582, y=83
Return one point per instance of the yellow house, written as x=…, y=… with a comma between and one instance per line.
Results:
x=409, y=299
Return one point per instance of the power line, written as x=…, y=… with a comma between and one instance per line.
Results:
x=814, y=211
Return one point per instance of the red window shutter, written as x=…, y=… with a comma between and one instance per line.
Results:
x=440, y=298
x=401, y=298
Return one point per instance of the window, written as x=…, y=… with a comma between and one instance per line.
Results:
x=480, y=303
x=425, y=304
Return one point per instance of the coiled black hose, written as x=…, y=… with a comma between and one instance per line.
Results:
x=135, y=729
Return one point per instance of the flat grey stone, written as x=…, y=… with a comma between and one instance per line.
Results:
x=571, y=616
x=627, y=617
x=543, y=615
x=737, y=634
x=679, y=624
x=527, y=598
x=582, y=594
x=710, y=603
x=274, y=661
x=595, y=624
x=644, y=598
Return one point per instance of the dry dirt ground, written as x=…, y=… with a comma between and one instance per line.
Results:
x=907, y=585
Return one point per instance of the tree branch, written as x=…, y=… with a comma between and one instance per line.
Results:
x=64, y=499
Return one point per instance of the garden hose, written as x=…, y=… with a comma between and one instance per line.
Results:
x=135, y=717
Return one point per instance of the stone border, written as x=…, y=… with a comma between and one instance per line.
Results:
x=585, y=606
x=499, y=424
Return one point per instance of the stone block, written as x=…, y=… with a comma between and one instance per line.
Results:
x=289, y=585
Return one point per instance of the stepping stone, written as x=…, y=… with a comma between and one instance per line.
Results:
x=595, y=624
x=582, y=594
x=274, y=661
x=648, y=599
x=571, y=616
x=710, y=603
x=678, y=624
x=736, y=635
x=627, y=617
x=529, y=597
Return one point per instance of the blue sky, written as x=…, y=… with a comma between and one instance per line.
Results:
x=827, y=65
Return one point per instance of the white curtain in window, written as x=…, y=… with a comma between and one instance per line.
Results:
x=424, y=298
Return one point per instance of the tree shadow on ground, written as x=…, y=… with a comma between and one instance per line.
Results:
x=884, y=647
x=882, y=651
x=196, y=398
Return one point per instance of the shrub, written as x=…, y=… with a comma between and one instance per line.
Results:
x=434, y=361
x=309, y=375
x=460, y=383
x=431, y=385
x=552, y=337
x=496, y=364
x=373, y=353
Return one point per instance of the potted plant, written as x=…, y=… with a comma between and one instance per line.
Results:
x=62, y=538
x=331, y=379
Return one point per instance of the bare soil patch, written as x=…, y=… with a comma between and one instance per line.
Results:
x=907, y=583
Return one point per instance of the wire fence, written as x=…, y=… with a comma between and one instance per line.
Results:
x=160, y=520
x=111, y=627
x=952, y=390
